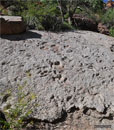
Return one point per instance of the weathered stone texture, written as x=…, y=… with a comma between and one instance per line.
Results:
x=69, y=73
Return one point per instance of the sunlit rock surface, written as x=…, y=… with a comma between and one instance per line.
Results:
x=71, y=75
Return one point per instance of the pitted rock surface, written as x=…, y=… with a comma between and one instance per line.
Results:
x=64, y=70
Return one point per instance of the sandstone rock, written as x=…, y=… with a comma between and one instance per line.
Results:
x=73, y=86
x=11, y=25
x=109, y=4
x=103, y=29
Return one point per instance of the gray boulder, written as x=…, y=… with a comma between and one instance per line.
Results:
x=71, y=76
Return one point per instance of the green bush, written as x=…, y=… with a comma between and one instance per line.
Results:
x=108, y=17
x=65, y=26
x=108, y=20
x=20, y=110
x=41, y=16
x=29, y=14
x=44, y=16
x=95, y=5
x=111, y=31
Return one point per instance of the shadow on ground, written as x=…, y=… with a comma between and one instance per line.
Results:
x=24, y=36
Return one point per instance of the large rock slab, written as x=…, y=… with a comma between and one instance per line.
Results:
x=11, y=25
x=67, y=72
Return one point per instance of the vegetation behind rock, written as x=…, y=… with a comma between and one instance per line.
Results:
x=57, y=15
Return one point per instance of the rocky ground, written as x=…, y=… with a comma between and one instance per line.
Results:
x=71, y=75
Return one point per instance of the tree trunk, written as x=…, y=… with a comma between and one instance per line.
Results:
x=71, y=10
x=61, y=11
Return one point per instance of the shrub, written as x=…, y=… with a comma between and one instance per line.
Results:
x=111, y=31
x=29, y=14
x=96, y=5
x=41, y=16
x=51, y=23
x=65, y=26
x=108, y=17
x=20, y=110
x=12, y=10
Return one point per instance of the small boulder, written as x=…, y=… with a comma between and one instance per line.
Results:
x=103, y=29
x=12, y=25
